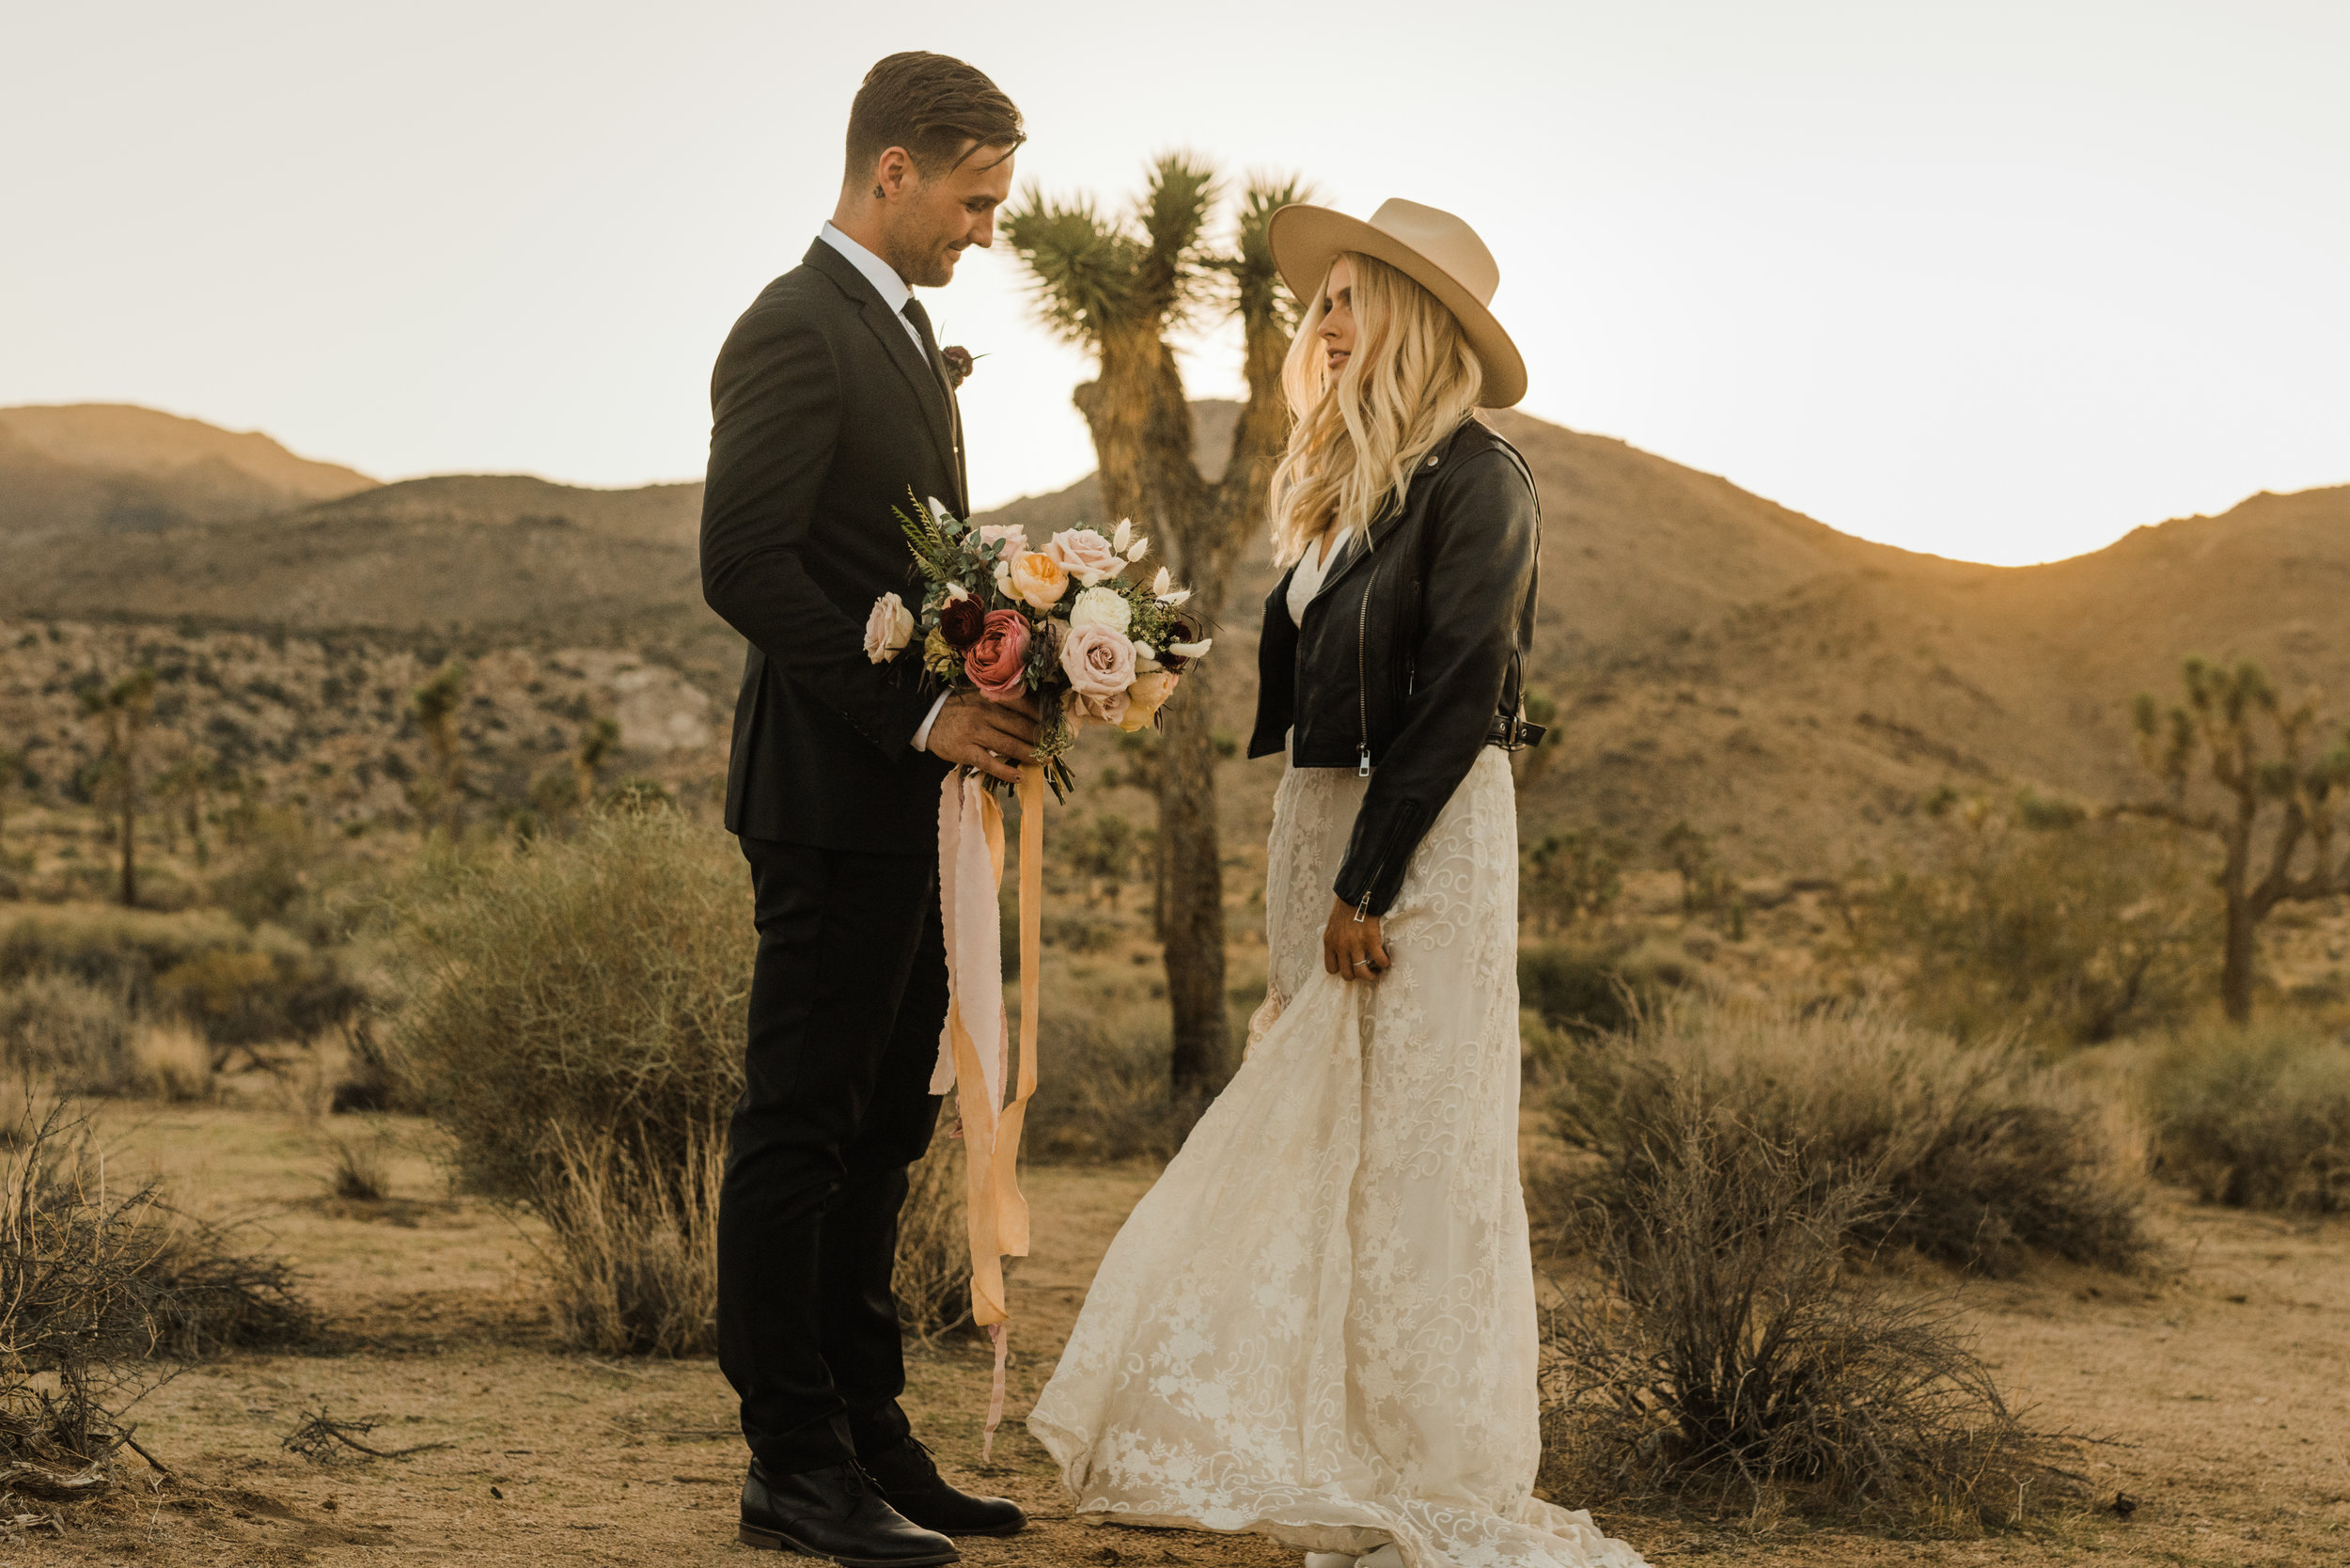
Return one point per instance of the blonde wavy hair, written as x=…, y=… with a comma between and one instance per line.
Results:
x=1409, y=383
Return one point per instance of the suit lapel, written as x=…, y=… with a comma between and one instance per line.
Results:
x=888, y=329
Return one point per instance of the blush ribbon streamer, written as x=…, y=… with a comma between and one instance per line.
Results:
x=973, y=1046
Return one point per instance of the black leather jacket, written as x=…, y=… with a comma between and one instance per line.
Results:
x=1410, y=660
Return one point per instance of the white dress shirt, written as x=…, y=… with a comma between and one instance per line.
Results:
x=894, y=293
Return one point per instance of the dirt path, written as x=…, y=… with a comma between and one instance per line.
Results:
x=2222, y=1394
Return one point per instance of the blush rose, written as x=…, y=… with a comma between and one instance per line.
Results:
x=998, y=662
x=1099, y=662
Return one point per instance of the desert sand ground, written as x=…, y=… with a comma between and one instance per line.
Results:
x=2217, y=1395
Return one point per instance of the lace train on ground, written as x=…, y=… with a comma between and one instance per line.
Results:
x=1320, y=1325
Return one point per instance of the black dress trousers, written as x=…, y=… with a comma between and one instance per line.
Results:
x=848, y=996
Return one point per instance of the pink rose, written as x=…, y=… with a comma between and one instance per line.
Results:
x=1084, y=555
x=1097, y=661
x=997, y=533
x=997, y=663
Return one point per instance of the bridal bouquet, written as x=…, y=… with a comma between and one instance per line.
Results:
x=1065, y=622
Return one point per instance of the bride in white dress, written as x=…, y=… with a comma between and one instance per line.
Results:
x=1320, y=1325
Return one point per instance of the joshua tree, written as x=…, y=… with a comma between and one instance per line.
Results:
x=121, y=712
x=181, y=789
x=2234, y=729
x=1120, y=286
x=436, y=705
x=596, y=744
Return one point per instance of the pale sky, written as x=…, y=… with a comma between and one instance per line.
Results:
x=1998, y=281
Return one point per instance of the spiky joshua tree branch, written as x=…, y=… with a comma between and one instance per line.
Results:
x=2234, y=730
x=1120, y=284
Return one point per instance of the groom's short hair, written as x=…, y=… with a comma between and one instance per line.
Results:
x=937, y=107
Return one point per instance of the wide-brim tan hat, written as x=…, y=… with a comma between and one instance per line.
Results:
x=1436, y=250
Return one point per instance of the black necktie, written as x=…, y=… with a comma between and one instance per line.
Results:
x=921, y=319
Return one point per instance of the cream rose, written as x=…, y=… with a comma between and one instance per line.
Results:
x=889, y=629
x=1146, y=696
x=1084, y=555
x=1038, y=578
x=1102, y=606
x=1098, y=660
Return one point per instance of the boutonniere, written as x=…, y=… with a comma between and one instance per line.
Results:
x=959, y=362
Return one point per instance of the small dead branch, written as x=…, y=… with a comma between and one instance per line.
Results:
x=317, y=1439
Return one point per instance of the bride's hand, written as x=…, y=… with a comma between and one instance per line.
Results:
x=1352, y=949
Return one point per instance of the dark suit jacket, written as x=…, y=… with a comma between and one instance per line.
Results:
x=824, y=416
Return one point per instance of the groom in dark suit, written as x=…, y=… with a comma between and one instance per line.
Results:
x=831, y=402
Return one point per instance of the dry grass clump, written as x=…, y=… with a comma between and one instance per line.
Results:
x=2257, y=1118
x=634, y=1256
x=1979, y=1156
x=359, y=1166
x=1728, y=1352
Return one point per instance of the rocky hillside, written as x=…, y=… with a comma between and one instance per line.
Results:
x=1717, y=658
x=328, y=721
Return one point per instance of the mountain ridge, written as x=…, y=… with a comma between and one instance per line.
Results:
x=1716, y=658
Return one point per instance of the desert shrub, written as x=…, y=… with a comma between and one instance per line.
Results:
x=573, y=1019
x=2255, y=1118
x=112, y=948
x=581, y=987
x=1597, y=985
x=250, y=995
x=1104, y=1091
x=2032, y=918
x=1979, y=1154
x=98, y=1291
x=76, y=1035
x=1725, y=1350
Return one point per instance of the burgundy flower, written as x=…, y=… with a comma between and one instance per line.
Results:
x=962, y=622
x=958, y=360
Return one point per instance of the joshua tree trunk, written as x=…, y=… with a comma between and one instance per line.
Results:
x=2235, y=972
x=130, y=890
x=1120, y=291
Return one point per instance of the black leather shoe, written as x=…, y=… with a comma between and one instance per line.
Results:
x=835, y=1514
x=909, y=1478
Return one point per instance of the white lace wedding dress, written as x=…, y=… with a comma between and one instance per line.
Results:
x=1320, y=1326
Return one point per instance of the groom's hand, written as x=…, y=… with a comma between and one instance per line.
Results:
x=1352, y=949
x=994, y=737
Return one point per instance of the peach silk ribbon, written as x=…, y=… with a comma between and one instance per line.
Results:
x=971, y=1047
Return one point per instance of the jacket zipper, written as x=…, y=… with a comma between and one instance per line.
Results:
x=1362, y=685
x=1405, y=815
